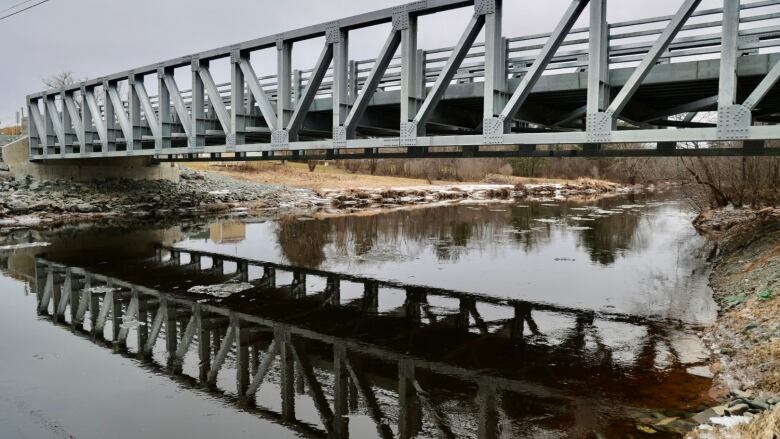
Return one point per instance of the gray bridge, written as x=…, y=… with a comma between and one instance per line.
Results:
x=329, y=335
x=698, y=82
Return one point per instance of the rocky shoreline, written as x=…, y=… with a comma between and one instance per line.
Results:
x=745, y=339
x=29, y=203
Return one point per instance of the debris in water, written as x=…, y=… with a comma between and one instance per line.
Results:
x=221, y=290
x=25, y=245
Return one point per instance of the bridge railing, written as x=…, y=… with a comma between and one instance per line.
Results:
x=115, y=115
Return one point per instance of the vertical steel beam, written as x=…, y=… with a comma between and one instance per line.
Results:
x=70, y=117
x=237, y=135
x=164, y=119
x=287, y=366
x=598, y=58
x=49, y=138
x=495, y=93
x=410, y=416
x=87, y=124
x=284, y=107
x=197, y=111
x=487, y=400
x=110, y=118
x=134, y=112
x=728, y=54
x=410, y=96
x=339, y=39
x=340, y=425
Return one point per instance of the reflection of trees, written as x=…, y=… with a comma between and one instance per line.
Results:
x=448, y=230
x=609, y=236
x=303, y=242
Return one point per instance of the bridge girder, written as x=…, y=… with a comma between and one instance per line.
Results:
x=489, y=93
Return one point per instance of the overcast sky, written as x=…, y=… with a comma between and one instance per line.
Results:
x=93, y=38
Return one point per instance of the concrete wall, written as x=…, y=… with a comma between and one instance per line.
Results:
x=16, y=156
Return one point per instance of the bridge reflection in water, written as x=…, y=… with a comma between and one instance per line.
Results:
x=413, y=360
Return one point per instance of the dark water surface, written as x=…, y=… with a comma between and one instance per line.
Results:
x=540, y=320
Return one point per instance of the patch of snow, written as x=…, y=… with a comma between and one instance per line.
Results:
x=730, y=421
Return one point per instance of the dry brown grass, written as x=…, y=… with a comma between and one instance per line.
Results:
x=298, y=175
x=763, y=426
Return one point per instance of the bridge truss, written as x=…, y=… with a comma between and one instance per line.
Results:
x=282, y=335
x=572, y=92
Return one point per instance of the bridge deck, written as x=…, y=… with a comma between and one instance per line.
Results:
x=671, y=85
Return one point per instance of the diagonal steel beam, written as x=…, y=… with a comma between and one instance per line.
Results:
x=75, y=117
x=448, y=71
x=224, y=348
x=146, y=104
x=119, y=110
x=315, y=390
x=655, y=52
x=763, y=87
x=215, y=99
x=159, y=317
x=132, y=313
x=94, y=109
x=369, y=87
x=262, y=371
x=374, y=410
x=178, y=103
x=302, y=107
x=695, y=106
x=67, y=286
x=36, y=120
x=56, y=122
x=189, y=334
x=105, y=307
x=523, y=90
x=266, y=109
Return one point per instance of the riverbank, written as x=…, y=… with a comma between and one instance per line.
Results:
x=745, y=339
x=345, y=192
x=218, y=191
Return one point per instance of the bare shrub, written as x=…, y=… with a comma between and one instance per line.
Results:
x=738, y=181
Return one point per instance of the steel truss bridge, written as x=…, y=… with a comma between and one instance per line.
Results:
x=298, y=338
x=640, y=82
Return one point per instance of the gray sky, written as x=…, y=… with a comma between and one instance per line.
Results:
x=93, y=38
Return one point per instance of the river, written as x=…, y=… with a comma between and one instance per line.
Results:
x=556, y=319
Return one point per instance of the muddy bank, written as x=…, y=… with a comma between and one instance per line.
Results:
x=29, y=203
x=347, y=200
x=745, y=340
